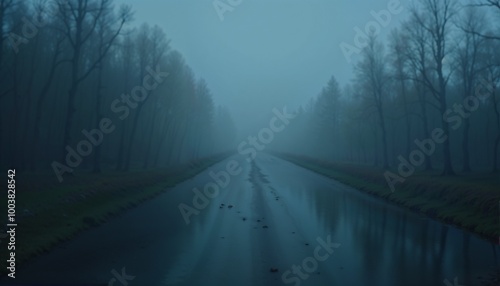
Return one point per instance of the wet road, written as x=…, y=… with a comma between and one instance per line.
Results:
x=273, y=224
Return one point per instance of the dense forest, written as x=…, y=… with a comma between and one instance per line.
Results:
x=436, y=76
x=91, y=92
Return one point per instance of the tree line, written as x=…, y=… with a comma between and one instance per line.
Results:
x=71, y=67
x=435, y=77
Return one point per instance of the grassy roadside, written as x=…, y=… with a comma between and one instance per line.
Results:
x=470, y=202
x=48, y=213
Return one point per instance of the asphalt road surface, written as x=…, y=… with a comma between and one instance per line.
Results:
x=268, y=222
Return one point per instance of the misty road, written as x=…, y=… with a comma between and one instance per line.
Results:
x=271, y=216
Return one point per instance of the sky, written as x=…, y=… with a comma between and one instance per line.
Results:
x=264, y=54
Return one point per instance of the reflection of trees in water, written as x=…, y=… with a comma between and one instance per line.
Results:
x=385, y=244
x=383, y=237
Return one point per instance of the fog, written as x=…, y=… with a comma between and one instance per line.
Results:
x=250, y=142
x=264, y=54
x=366, y=79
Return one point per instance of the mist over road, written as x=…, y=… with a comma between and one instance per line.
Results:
x=274, y=224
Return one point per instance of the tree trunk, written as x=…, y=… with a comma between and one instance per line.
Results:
x=447, y=167
x=96, y=168
x=38, y=111
x=384, y=136
x=150, y=137
x=497, y=140
x=425, y=123
x=465, y=147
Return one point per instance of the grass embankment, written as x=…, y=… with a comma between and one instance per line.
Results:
x=48, y=212
x=468, y=201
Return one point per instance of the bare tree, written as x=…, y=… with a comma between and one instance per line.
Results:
x=152, y=44
x=490, y=4
x=468, y=56
x=435, y=19
x=126, y=53
x=103, y=39
x=417, y=55
x=79, y=19
x=372, y=75
x=399, y=51
x=54, y=51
